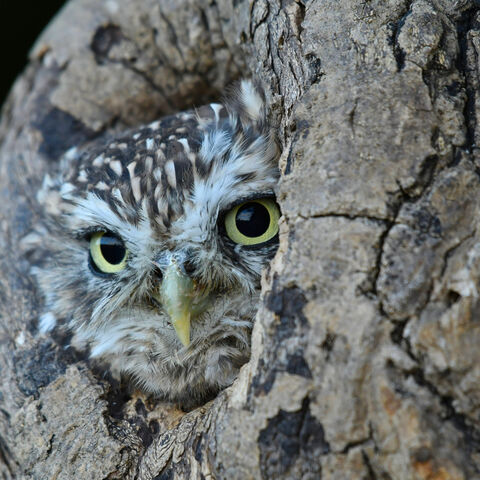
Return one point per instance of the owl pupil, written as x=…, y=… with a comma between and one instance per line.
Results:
x=252, y=219
x=112, y=250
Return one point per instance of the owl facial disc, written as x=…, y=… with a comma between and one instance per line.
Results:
x=153, y=242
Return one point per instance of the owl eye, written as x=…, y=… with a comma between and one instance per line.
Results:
x=107, y=253
x=253, y=222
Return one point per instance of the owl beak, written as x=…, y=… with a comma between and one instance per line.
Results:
x=177, y=295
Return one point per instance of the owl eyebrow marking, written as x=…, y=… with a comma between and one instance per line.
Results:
x=154, y=125
x=131, y=169
x=157, y=174
x=101, y=185
x=82, y=176
x=185, y=144
x=148, y=164
x=160, y=154
x=169, y=169
x=136, y=190
x=116, y=166
x=216, y=107
x=98, y=161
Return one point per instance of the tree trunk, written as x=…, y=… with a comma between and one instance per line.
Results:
x=366, y=357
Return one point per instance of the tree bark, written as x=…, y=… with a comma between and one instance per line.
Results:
x=366, y=358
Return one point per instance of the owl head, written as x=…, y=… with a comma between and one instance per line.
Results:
x=155, y=242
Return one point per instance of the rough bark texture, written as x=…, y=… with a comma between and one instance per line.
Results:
x=366, y=358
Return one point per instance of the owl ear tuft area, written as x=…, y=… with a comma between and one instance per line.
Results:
x=245, y=102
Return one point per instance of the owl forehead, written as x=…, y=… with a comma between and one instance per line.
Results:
x=177, y=171
x=164, y=151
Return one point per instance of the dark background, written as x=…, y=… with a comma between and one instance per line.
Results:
x=20, y=24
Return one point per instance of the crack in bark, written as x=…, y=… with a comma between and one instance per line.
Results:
x=5, y=456
x=173, y=34
x=424, y=181
x=253, y=28
x=276, y=74
x=50, y=445
x=452, y=249
x=351, y=116
x=396, y=335
x=368, y=465
x=395, y=28
x=300, y=13
x=396, y=207
x=348, y=216
x=467, y=23
x=357, y=443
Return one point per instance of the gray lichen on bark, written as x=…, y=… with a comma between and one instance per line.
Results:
x=365, y=356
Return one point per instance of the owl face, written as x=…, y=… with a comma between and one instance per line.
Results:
x=156, y=242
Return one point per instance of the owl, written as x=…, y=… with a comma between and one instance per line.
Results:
x=154, y=243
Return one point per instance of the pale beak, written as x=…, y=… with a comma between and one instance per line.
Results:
x=177, y=295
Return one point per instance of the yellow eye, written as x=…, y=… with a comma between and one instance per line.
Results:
x=107, y=253
x=253, y=222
